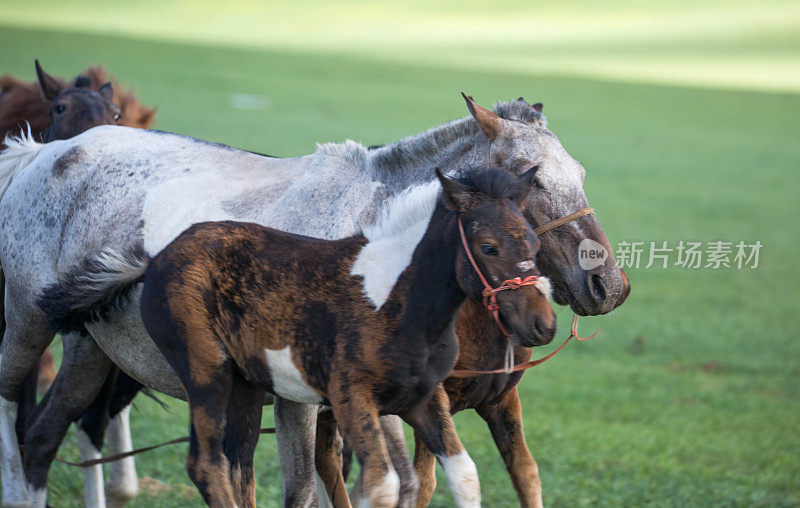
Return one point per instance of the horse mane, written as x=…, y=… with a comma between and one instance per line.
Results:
x=399, y=157
x=416, y=204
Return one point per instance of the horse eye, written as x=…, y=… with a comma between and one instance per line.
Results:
x=488, y=250
x=59, y=109
x=117, y=116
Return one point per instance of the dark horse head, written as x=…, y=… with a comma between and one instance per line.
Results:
x=77, y=109
x=489, y=204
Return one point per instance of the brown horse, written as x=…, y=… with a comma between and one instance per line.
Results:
x=67, y=109
x=362, y=324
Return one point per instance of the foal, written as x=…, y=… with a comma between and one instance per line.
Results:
x=362, y=324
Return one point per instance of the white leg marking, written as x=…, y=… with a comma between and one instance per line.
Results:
x=15, y=489
x=123, y=484
x=287, y=381
x=386, y=493
x=39, y=497
x=93, y=494
x=462, y=476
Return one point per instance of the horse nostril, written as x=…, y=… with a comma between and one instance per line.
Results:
x=597, y=287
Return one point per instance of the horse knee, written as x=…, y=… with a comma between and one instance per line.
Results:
x=385, y=492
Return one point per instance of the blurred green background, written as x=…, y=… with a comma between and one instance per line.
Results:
x=686, y=118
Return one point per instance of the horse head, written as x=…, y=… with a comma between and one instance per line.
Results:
x=77, y=109
x=520, y=140
x=496, y=263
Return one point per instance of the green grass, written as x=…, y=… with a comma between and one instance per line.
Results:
x=719, y=43
x=689, y=397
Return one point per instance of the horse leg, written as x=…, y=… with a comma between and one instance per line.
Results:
x=24, y=339
x=505, y=423
x=295, y=429
x=241, y=437
x=425, y=465
x=434, y=426
x=77, y=384
x=91, y=431
x=357, y=414
x=328, y=459
x=207, y=463
x=398, y=452
x=396, y=442
x=123, y=483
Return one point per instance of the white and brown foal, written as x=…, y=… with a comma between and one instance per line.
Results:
x=362, y=324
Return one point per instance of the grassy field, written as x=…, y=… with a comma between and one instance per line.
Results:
x=689, y=397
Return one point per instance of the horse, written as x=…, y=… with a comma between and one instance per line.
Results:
x=52, y=109
x=361, y=324
x=67, y=109
x=132, y=184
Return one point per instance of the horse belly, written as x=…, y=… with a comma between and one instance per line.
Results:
x=126, y=342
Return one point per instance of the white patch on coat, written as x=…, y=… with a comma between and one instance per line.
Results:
x=545, y=287
x=526, y=265
x=287, y=381
x=393, y=239
x=385, y=493
x=93, y=493
x=39, y=497
x=462, y=476
x=123, y=484
x=15, y=490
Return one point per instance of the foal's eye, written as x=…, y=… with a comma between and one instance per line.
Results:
x=59, y=109
x=117, y=116
x=488, y=250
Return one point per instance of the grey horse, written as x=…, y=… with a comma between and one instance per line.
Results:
x=112, y=186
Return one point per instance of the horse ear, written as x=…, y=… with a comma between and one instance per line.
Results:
x=491, y=125
x=523, y=187
x=83, y=81
x=107, y=91
x=50, y=86
x=538, y=107
x=457, y=197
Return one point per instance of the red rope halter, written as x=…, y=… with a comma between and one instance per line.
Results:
x=490, y=302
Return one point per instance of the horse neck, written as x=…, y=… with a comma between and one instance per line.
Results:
x=428, y=292
x=457, y=144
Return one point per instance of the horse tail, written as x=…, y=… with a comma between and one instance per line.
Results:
x=92, y=290
x=20, y=151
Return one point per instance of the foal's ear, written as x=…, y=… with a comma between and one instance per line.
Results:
x=457, y=197
x=50, y=86
x=491, y=125
x=107, y=91
x=523, y=187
